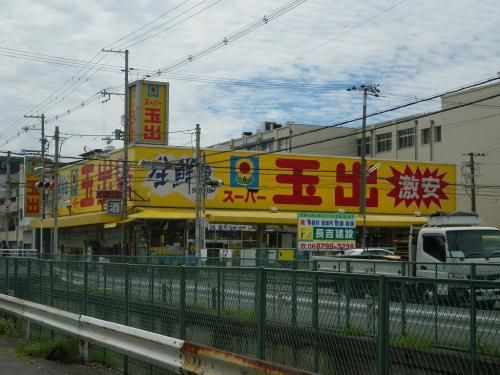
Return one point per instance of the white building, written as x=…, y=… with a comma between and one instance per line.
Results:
x=466, y=132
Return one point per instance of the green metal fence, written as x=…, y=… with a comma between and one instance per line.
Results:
x=326, y=322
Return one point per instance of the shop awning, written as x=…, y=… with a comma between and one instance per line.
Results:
x=290, y=218
x=219, y=216
x=251, y=217
x=164, y=213
x=115, y=224
x=77, y=220
x=373, y=220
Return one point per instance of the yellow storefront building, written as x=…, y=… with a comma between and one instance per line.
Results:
x=255, y=206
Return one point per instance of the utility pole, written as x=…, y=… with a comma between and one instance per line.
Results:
x=125, y=153
x=7, y=197
x=42, y=192
x=55, y=196
x=372, y=90
x=472, y=167
x=198, y=203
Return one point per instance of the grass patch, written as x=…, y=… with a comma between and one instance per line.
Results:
x=412, y=341
x=62, y=350
x=244, y=315
x=350, y=330
x=488, y=349
x=10, y=328
x=106, y=357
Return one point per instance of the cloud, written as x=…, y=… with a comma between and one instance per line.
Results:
x=412, y=49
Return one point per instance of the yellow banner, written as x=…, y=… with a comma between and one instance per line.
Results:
x=148, y=112
x=295, y=182
x=81, y=184
x=32, y=198
x=252, y=181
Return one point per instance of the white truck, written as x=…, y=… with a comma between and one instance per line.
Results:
x=453, y=246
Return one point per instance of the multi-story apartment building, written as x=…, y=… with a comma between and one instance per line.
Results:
x=10, y=201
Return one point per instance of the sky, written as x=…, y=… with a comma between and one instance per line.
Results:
x=295, y=58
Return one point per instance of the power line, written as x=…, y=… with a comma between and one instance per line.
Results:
x=230, y=38
x=391, y=123
x=143, y=37
x=114, y=44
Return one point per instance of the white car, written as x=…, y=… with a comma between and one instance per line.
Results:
x=371, y=252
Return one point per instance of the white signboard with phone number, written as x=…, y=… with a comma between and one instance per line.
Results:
x=321, y=231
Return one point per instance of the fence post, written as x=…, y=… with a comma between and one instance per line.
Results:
x=28, y=281
x=85, y=288
x=40, y=271
x=294, y=296
x=315, y=321
x=127, y=301
x=473, y=326
x=51, y=277
x=403, y=300
x=16, y=286
x=403, y=307
x=219, y=292
x=127, y=292
x=383, y=326
x=6, y=275
x=152, y=295
x=261, y=314
x=182, y=303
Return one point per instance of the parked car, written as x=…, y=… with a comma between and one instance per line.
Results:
x=368, y=253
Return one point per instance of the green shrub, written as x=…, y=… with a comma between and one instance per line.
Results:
x=62, y=350
x=412, y=341
x=106, y=357
x=350, y=330
x=10, y=328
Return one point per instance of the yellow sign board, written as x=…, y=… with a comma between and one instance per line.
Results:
x=148, y=112
x=32, y=197
x=81, y=184
x=265, y=182
x=291, y=182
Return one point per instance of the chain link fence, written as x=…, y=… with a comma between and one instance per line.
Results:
x=325, y=322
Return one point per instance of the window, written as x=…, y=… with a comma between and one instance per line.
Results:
x=437, y=134
x=283, y=145
x=426, y=136
x=406, y=138
x=367, y=145
x=266, y=146
x=474, y=243
x=434, y=245
x=384, y=142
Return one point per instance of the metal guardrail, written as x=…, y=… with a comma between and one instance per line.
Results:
x=169, y=353
x=326, y=322
x=19, y=252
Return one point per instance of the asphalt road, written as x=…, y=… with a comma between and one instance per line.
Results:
x=11, y=365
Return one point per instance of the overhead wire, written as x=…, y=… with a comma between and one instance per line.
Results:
x=393, y=122
x=289, y=6
x=230, y=38
x=137, y=39
x=84, y=69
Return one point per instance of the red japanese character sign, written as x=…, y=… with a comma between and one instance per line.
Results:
x=420, y=187
x=298, y=181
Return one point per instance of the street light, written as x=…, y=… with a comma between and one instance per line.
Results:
x=374, y=91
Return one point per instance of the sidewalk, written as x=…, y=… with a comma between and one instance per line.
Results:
x=11, y=365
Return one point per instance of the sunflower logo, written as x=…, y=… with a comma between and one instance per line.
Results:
x=153, y=91
x=244, y=172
